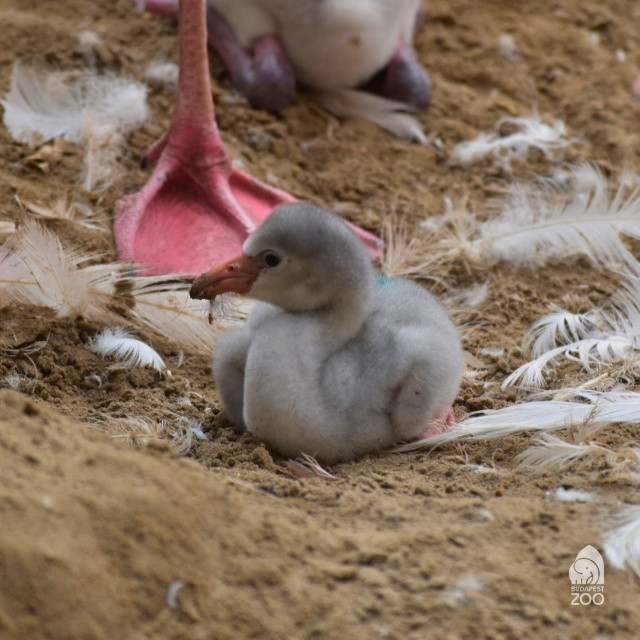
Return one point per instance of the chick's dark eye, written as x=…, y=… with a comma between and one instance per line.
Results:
x=272, y=259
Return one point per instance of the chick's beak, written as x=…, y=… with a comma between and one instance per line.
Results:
x=237, y=275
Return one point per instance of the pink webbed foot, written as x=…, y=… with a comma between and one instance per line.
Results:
x=440, y=423
x=196, y=209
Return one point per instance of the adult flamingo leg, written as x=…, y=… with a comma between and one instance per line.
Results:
x=196, y=209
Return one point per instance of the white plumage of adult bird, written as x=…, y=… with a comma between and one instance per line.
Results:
x=326, y=44
x=334, y=360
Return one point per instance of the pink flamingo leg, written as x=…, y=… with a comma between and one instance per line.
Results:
x=196, y=209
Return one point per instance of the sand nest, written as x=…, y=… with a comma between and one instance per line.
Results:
x=108, y=533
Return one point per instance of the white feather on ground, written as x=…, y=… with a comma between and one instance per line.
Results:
x=36, y=270
x=574, y=214
x=530, y=133
x=573, y=495
x=622, y=543
x=590, y=353
x=162, y=73
x=387, y=114
x=540, y=416
x=599, y=338
x=91, y=110
x=61, y=209
x=123, y=346
x=552, y=452
x=559, y=328
x=535, y=224
x=181, y=431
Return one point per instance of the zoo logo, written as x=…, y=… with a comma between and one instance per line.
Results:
x=587, y=577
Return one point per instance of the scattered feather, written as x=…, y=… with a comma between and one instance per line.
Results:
x=573, y=495
x=507, y=46
x=538, y=223
x=590, y=352
x=162, y=73
x=36, y=270
x=387, y=114
x=88, y=42
x=62, y=210
x=164, y=305
x=123, y=346
x=308, y=467
x=91, y=110
x=541, y=415
x=622, y=543
x=172, y=593
x=560, y=327
x=552, y=452
x=183, y=431
x=469, y=297
x=601, y=337
x=7, y=227
x=463, y=591
x=527, y=133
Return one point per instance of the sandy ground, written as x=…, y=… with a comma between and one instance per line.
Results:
x=93, y=532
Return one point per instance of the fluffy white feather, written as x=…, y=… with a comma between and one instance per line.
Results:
x=622, y=543
x=535, y=224
x=559, y=328
x=91, y=110
x=573, y=495
x=387, y=114
x=165, y=306
x=527, y=134
x=123, y=346
x=163, y=73
x=590, y=352
x=539, y=416
x=601, y=337
x=75, y=212
x=36, y=270
x=552, y=452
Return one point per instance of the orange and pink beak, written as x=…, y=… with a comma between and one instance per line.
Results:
x=237, y=275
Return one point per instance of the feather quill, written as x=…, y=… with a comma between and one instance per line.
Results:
x=622, y=543
x=91, y=110
x=124, y=347
x=387, y=114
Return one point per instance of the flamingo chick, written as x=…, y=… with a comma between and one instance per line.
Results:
x=325, y=44
x=334, y=361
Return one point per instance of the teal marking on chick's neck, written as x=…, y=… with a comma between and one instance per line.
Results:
x=383, y=281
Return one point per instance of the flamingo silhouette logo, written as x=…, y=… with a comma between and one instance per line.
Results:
x=588, y=567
